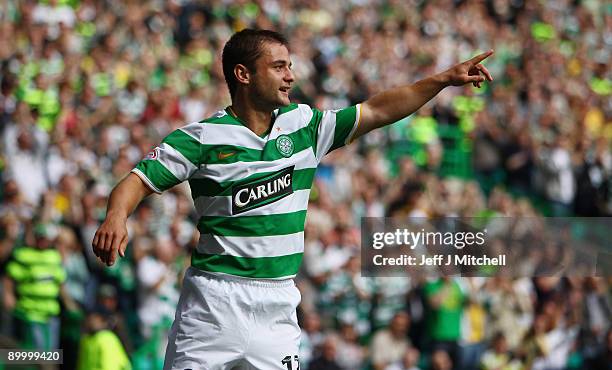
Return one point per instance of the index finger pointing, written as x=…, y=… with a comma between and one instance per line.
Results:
x=480, y=57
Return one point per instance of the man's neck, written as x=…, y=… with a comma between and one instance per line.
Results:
x=257, y=119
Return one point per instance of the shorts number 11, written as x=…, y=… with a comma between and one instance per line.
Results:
x=287, y=362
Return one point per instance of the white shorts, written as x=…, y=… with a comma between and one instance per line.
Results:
x=225, y=322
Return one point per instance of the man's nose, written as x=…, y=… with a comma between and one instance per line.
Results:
x=289, y=76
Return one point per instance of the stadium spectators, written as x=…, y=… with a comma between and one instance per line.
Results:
x=390, y=345
x=100, y=348
x=33, y=289
x=328, y=357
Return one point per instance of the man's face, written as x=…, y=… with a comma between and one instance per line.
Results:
x=399, y=324
x=273, y=77
x=42, y=242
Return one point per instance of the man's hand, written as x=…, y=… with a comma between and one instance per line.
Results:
x=394, y=104
x=468, y=71
x=111, y=236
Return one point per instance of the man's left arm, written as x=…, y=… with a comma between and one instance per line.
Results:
x=394, y=104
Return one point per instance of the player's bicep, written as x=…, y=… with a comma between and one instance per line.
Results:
x=369, y=120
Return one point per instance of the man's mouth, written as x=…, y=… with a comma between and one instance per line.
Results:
x=285, y=89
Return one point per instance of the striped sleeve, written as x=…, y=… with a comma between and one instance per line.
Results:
x=15, y=271
x=335, y=129
x=175, y=160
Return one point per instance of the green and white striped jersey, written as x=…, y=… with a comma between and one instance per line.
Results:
x=250, y=192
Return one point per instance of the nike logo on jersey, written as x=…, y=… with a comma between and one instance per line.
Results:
x=222, y=155
x=262, y=191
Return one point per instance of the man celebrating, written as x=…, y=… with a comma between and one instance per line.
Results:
x=250, y=168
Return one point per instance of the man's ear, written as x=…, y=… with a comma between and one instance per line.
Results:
x=242, y=74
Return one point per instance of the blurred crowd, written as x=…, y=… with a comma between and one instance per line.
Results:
x=88, y=87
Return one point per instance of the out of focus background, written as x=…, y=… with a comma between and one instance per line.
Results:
x=88, y=87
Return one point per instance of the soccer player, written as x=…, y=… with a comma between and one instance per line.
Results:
x=250, y=168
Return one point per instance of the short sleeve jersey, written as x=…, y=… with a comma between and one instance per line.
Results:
x=250, y=192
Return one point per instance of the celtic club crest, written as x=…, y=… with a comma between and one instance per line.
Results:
x=285, y=146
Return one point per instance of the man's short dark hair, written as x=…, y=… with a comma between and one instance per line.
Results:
x=244, y=48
